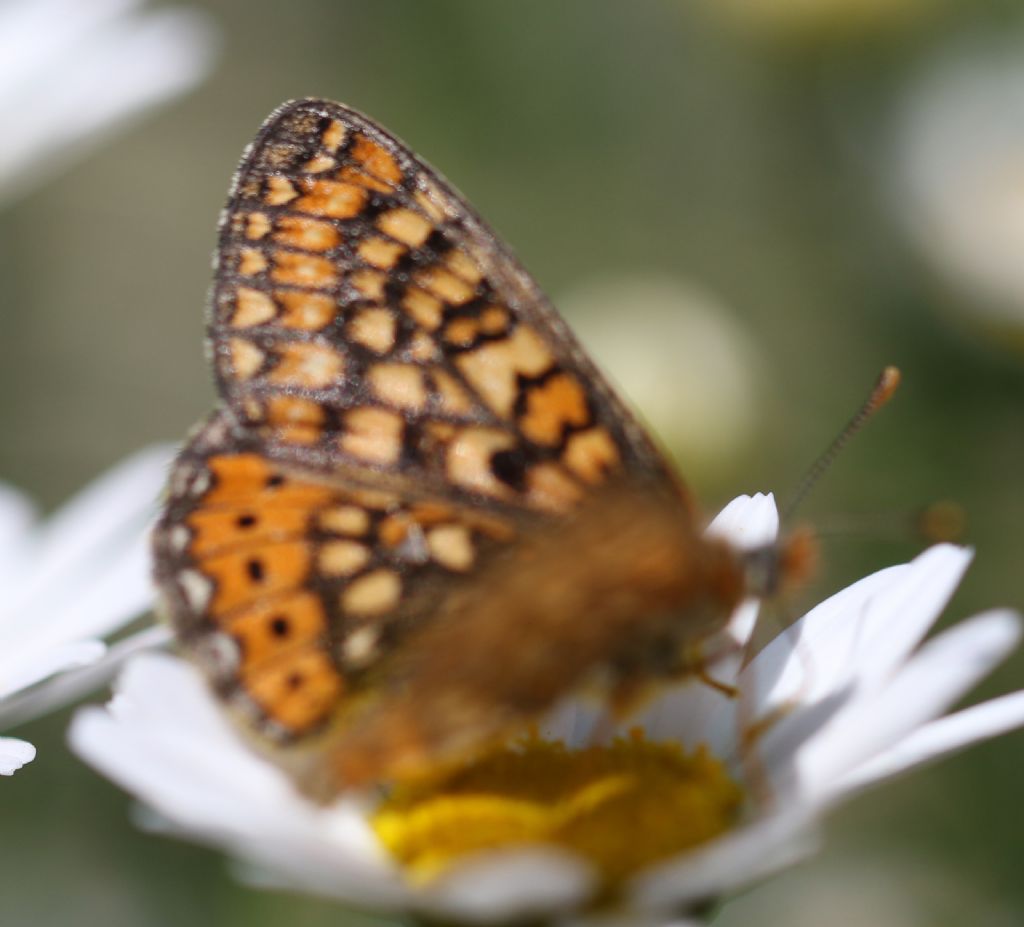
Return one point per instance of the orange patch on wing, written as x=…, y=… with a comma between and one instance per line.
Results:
x=375, y=160
x=331, y=198
x=306, y=311
x=244, y=576
x=308, y=234
x=251, y=262
x=307, y=364
x=276, y=624
x=252, y=307
x=551, y=407
x=216, y=529
x=297, y=691
x=297, y=268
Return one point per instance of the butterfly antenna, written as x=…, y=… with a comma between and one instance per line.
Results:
x=882, y=392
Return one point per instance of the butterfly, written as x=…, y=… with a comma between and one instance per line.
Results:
x=418, y=516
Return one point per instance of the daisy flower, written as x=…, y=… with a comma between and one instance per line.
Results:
x=697, y=796
x=73, y=70
x=68, y=582
x=958, y=178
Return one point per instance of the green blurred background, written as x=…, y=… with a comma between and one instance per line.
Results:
x=677, y=174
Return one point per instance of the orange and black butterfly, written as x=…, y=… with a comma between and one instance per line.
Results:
x=419, y=516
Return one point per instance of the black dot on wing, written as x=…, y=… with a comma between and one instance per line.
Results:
x=254, y=568
x=275, y=480
x=246, y=521
x=509, y=466
x=279, y=626
x=294, y=681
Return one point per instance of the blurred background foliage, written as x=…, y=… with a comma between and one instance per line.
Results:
x=746, y=207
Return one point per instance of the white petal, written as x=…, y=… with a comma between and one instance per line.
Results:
x=509, y=885
x=73, y=684
x=14, y=754
x=737, y=858
x=858, y=636
x=28, y=668
x=73, y=70
x=164, y=739
x=938, y=675
x=940, y=738
x=90, y=569
x=747, y=521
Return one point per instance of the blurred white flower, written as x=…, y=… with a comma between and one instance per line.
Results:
x=73, y=70
x=853, y=693
x=958, y=181
x=815, y=19
x=68, y=582
x=678, y=354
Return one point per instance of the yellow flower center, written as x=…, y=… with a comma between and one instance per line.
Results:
x=622, y=807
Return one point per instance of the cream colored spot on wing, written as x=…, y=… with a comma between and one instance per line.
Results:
x=425, y=310
x=246, y=358
x=422, y=348
x=445, y=285
x=345, y=519
x=251, y=262
x=406, y=226
x=279, y=191
x=319, y=163
x=373, y=328
x=372, y=434
x=380, y=252
x=342, y=558
x=492, y=368
x=299, y=269
x=550, y=488
x=369, y=284
x=399, y=384
x=451, y=546
x=333, y=135
x=591, y=454
x=375, y=593
x=295, y=419
x=306, y=311
x=463, y=266
x=257, y=225
x=313, y=366
x=454, y=398
x=252, y=307
x=196, y=589
x=360, y=646
x=331, y=198
x=468, y=460
x=307, y=234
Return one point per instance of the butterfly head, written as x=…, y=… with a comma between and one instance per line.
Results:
x=776, y=569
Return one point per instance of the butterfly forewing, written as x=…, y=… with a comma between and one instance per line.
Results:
x=402, y=414
x=365, y=319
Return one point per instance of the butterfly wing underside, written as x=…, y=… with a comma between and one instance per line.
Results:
x=399, y=404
